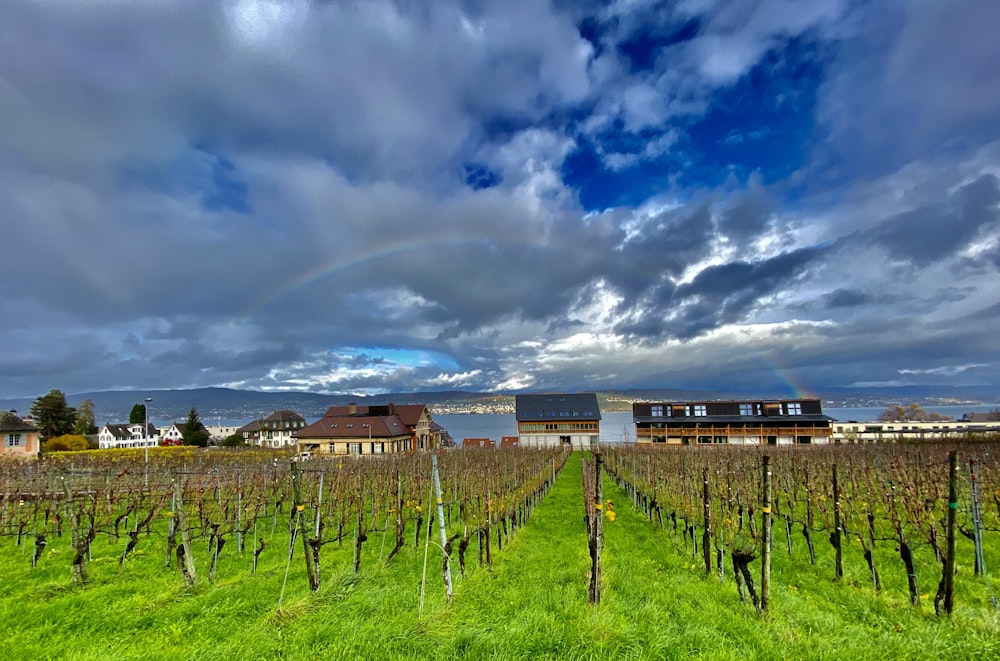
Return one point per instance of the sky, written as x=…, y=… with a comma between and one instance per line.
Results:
x=372, y=197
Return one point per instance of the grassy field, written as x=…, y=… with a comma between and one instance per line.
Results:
x=658, y=603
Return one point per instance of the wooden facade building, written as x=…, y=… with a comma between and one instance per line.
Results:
x=545, y=421
x=739, y=422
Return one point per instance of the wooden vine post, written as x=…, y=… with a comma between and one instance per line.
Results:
x=836, y=536
x=185, y=555
x=81, y=543
x=597, y=534
x=312, y=567
x=948, y=578
x=706, y=538
x=765, y=548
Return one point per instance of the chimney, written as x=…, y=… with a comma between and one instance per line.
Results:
x=392, y=409
x=352, y=408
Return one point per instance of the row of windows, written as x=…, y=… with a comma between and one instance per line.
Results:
x=288, y=424
x=377, y=447
x=557, y=426
x=700, y=410
x=565, y=414
x=721, y=440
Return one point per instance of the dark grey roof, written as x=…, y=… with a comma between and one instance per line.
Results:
x=537, y=408
x=9, y=421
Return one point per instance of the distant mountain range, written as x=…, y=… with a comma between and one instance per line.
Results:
x=225, y=403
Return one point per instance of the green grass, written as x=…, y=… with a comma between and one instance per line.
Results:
x=657, y=603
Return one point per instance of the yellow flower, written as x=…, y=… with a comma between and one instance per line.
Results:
x=300, y=507
x=598, y=506
x=611, y=515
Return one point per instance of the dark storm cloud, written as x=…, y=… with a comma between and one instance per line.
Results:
x=718, y=295
x=846, y=298
x=666, y=244
x=937, y=231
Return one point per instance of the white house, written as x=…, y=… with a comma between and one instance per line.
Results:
x=172, y=435
x=120, y=435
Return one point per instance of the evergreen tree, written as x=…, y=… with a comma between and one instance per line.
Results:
x=193, y=431
x=138, y=415
x=85, y=425
x=52, y=415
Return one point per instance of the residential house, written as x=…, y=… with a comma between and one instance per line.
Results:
x=19, y=437
x=172, y=435
x=738, y=422
x=357, y=430
x=477, y=443
x=553, y=420
x=127, y=435
x=508, y=441
x=275, y=431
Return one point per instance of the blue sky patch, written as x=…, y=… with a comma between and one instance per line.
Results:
x=198, y=171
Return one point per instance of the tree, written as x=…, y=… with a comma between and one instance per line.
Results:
x=52, y=415
x=137, y=415
x=234, y=440
x=912, y=413
x=66, y=443
x=85, y=425
x=193, y=431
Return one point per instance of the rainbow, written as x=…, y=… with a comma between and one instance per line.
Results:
x=791, y=381
x=381, y=251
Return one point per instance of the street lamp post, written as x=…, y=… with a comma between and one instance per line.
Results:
x=146, y=430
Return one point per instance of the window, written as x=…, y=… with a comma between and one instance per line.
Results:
x=354, y=448
x=748, y=408
x=656, y=410
x=794, y=408
x=13, y=440
x=378, y=448
x=698, y=410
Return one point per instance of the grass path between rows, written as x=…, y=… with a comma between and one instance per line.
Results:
x=531, y=604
